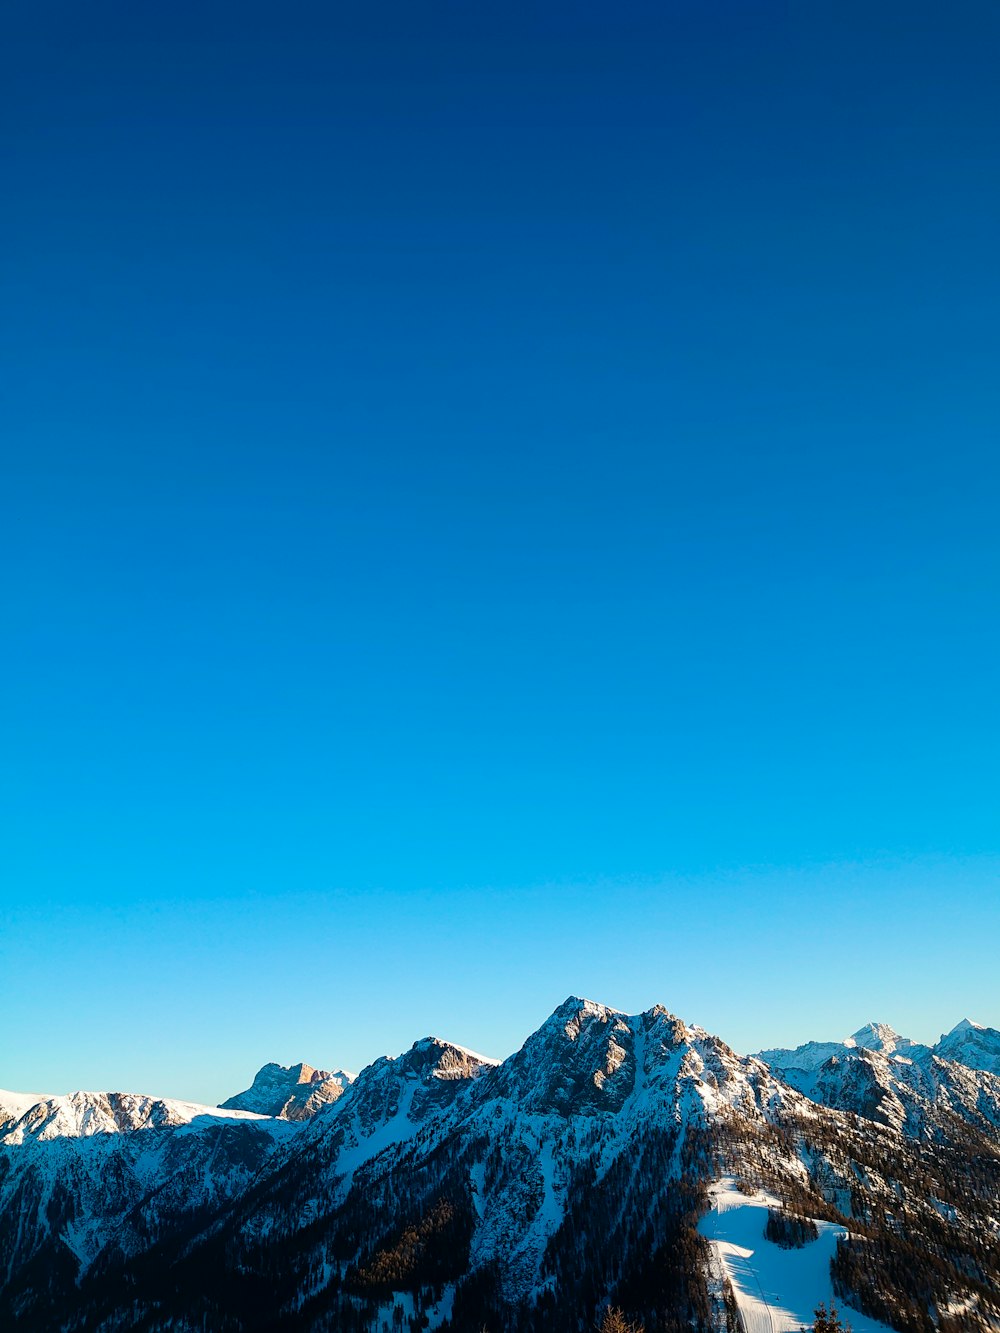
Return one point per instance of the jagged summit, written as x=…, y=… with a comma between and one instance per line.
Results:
x=449, y=1059
x=590, y=1059
x=293, y=1092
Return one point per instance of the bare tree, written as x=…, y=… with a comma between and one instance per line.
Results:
x=615, y=1321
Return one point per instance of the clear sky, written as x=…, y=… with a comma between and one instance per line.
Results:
x=498, y=501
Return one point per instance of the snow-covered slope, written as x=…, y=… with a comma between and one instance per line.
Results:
x=294, y=1092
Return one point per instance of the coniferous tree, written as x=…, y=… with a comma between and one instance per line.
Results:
x=829, y=1321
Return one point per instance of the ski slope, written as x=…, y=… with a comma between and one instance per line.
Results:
x=776, y=1290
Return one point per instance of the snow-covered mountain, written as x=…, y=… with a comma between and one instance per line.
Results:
x=80, y=1114
x=294, y=1092
x=972, y=1045
x=884, y=1039
x=804, y=1061
x=887, y=1078
x=627, y=1158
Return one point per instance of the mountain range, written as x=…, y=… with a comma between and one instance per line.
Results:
x=626, y=1160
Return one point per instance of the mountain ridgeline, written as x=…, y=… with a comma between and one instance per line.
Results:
x=442, y=1190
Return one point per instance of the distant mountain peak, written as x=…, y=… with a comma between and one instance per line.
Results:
x=973, y=1045
x=966, y=1025
x=292, y=1092
x=875, y=1036
x=885, y=1040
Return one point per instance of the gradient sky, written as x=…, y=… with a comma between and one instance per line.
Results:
x=498, y=501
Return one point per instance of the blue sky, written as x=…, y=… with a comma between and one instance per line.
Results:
x=496, y=504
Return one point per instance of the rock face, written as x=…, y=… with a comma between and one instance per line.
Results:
x=519, y=1196
x=293, y=1092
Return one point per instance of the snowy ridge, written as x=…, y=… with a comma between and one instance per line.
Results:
x=80, y=1114
x=968, y=1043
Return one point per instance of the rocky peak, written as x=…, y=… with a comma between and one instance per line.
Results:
x=433, y=1057
x=293, y=1092
x=587, y=1058
x=410, y=1087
